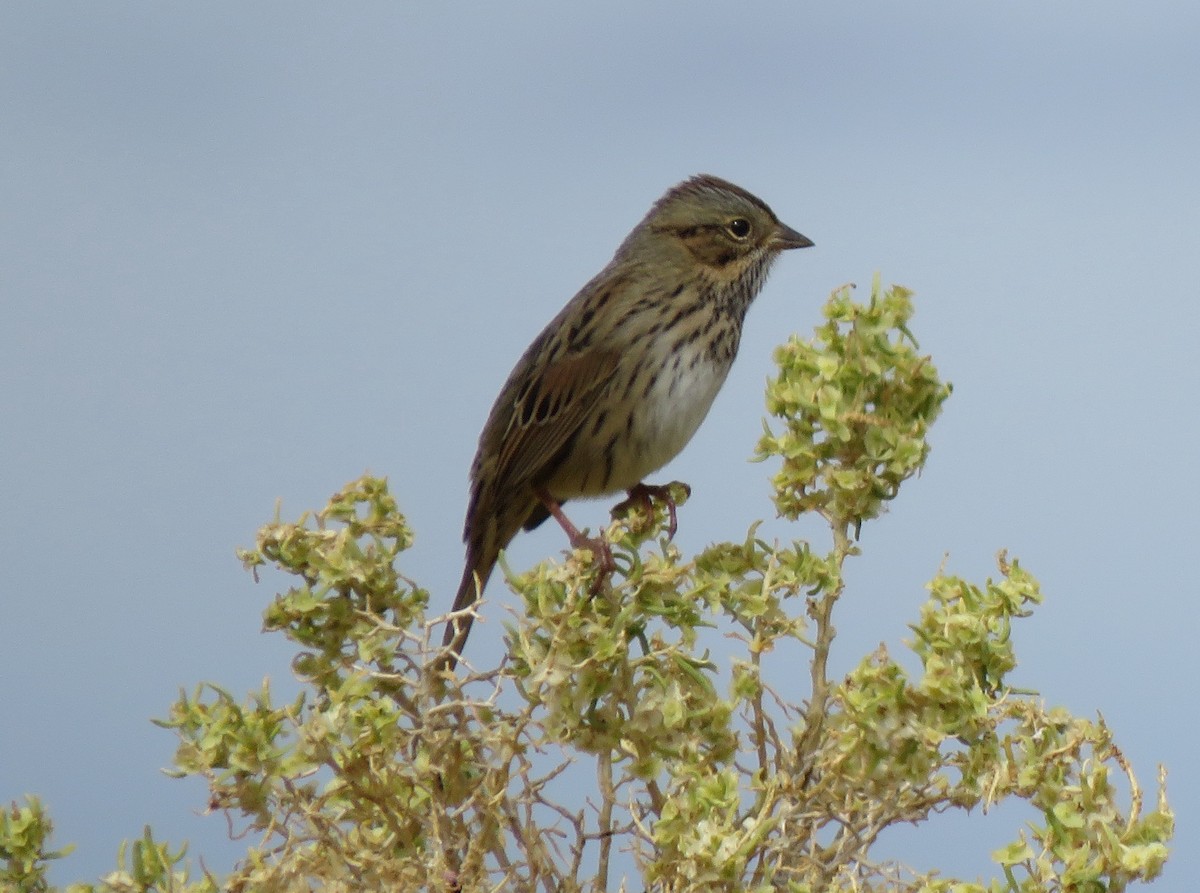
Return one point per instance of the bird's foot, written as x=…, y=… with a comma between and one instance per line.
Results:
x=603, y=556
x=643, y=496
x=597, y=545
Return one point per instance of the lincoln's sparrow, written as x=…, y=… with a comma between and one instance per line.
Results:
x=616, y=385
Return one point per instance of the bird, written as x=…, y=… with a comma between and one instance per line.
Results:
x=617, y=383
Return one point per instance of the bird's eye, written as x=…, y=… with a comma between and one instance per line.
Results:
x=739, y=228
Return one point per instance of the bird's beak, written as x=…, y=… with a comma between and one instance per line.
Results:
x=785, y=237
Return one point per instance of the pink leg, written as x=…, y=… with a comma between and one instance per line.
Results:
x=598, y=546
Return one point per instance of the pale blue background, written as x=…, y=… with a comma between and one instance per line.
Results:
x=250, y=251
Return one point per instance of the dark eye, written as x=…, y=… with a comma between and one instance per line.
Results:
x=739, y=228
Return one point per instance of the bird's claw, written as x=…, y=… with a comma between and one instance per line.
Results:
x=643, y=496
x=598, y=546
x=601, y=553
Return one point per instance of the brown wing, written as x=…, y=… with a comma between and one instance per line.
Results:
x=546, y=411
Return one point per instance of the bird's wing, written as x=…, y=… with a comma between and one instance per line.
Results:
x=547, y=412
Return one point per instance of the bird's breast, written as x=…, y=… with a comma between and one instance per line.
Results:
x=644, y=417
x=676, y=402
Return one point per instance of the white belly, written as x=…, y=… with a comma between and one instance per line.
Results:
x=677, y=404
x=619, y=452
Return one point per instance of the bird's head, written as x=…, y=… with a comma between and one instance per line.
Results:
x=720, y=226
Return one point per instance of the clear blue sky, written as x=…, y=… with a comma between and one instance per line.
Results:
x=249, y=252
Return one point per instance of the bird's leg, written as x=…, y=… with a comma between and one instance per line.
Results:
x=644, y=495
x=598, y=546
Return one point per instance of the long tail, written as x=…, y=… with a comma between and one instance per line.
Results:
x=491, y=525
x=474, y=578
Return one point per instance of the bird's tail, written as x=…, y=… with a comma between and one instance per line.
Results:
x=486, y=533
x=474, y=578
